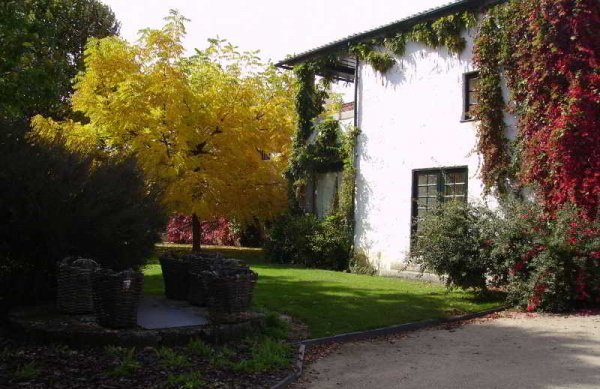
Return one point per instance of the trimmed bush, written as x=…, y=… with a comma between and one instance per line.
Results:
x=450, y=242
x=330, y=245
x=309, y=241
x=289, y=239
x=56, y=203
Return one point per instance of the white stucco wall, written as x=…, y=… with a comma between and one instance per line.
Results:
x=410, y=119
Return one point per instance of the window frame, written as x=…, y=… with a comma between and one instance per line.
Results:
x=440, y=190
x=465, y=95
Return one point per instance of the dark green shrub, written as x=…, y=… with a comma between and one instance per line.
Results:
x=545, y=262
x=289, y=239
x=330, y=244
x=56, y=203
x=252, y=235
x=450, y=242
x=309, y=241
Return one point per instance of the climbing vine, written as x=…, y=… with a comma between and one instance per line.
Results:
x=442, y=32
x=310, y=102
x=323, y=155
x=491, y=141
x=550, y=54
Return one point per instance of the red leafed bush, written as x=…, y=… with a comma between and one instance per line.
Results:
x=214, y=232
x=179, y=229
x=552, y=262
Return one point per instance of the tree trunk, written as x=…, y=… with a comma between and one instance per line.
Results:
x=196, y=233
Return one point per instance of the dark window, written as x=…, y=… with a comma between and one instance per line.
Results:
x=433, y=186
x=471, y=97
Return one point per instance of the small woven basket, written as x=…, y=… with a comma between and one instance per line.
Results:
x=117, y=297
x=74, y=286
x=175, y=272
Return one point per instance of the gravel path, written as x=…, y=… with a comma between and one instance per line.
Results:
x=513, y=351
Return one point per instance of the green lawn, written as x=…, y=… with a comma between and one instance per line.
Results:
x=332, y=302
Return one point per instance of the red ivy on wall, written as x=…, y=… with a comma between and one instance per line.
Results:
x=557, y=62
x=550, y=50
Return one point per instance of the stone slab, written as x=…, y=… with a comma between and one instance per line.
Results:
x=156, y=312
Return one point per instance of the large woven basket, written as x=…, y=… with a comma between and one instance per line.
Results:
x=74, y=286
x=230, y=290
x=175, y=272
x=117, y=297
x=199, y=290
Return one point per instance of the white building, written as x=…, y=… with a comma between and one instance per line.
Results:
x=417, y=137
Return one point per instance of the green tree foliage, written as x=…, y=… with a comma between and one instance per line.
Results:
x=41, y=50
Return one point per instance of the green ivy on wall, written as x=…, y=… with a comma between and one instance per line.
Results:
x=491, y=141
x=310, y=102
x=442, y=32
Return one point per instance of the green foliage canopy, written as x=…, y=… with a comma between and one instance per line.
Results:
x=41, y=51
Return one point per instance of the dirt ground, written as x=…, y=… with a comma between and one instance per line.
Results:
x=510, y=351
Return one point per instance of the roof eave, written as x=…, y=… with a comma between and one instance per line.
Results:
x=343, y=44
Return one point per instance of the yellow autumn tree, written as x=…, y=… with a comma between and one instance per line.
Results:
x=214, y=129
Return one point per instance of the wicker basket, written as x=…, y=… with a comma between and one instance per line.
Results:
x=74, y=286
x=175, y=272
x=230, y=290
x=199, y=290
x=117, y=297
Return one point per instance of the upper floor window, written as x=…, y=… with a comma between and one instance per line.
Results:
x=470, y=97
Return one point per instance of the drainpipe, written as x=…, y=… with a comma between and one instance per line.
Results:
x=355, y=157
x=356, y=93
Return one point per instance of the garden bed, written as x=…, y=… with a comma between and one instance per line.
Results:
x=253, y=363
x=181, y=357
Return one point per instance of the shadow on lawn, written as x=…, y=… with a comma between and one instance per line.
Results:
x=346, y=297
x=330, y=308
x=332, y=303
